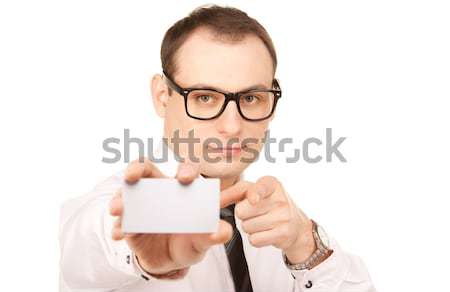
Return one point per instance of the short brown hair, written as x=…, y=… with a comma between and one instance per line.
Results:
x=227, y=23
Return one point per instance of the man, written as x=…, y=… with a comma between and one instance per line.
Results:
x=218, y=79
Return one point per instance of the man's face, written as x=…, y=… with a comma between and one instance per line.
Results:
x=203, y=61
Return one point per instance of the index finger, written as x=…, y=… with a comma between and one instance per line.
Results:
x=116, y=204
x=141, y=168
x=265, y=186
x=234, y=194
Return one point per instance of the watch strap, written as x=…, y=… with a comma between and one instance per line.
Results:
x=320, y=254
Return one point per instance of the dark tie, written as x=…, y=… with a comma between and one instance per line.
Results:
x=235, y=254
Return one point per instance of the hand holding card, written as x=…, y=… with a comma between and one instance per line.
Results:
x=162, y=252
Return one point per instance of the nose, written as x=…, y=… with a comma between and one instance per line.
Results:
x=229, y=123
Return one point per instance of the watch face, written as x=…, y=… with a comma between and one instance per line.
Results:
x=323, y=237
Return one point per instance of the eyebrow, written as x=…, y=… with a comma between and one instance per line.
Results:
x=205, y=86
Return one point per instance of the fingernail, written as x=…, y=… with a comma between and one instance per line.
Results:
x=255, y=198
x=262, y=190
x=183, y=171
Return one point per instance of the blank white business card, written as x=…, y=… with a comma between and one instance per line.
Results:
x=163, y=205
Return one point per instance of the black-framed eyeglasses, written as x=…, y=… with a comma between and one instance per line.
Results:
x=209, y=103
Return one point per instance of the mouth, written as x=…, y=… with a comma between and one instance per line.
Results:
x=227, y=150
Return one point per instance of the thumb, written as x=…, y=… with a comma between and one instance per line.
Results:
x=187, y=172
x=203, y=242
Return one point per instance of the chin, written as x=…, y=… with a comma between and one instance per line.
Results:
x=223, y=169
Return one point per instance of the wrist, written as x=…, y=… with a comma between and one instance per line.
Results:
x=321, y=252
x=172, y=275
x=169, y=275
x=303, y=247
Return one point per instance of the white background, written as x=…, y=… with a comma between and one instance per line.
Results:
x=73, y=73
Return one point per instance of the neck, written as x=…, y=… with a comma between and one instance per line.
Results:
x=228, y=182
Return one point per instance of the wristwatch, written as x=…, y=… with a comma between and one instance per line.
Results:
x=322, y=251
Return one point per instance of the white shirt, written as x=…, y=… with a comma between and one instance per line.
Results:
x=92, y=261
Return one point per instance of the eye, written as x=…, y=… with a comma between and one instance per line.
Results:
x=204, y=98
x=250, y=98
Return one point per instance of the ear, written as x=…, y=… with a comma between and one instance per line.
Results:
x=160, y=95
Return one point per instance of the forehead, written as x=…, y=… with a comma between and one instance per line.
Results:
x=206, y=59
